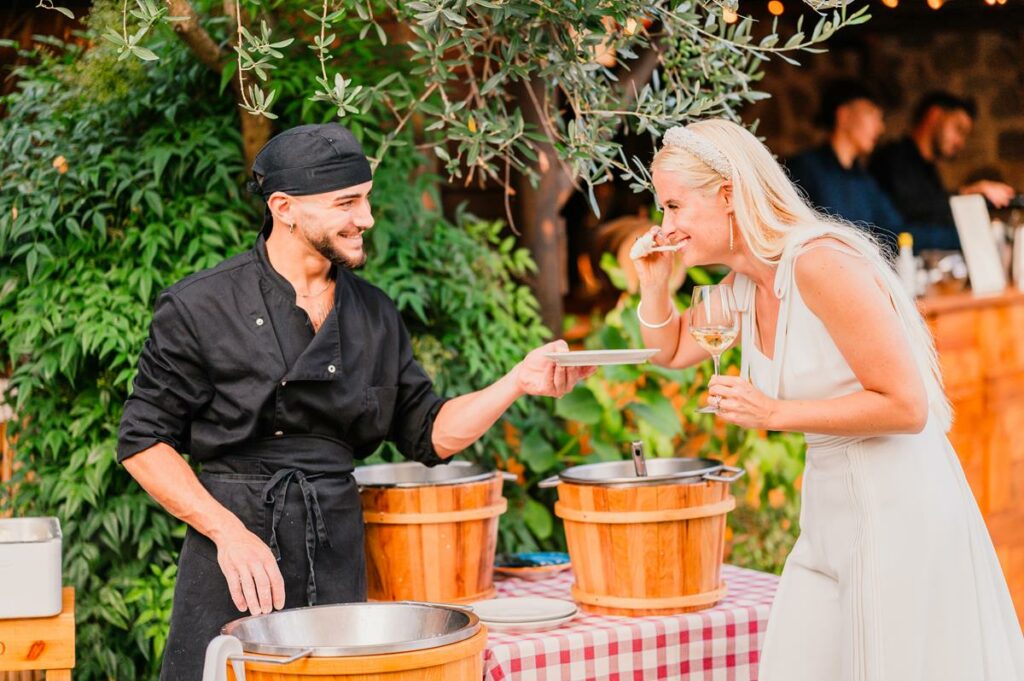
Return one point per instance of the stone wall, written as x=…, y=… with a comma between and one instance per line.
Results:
x=987, y=65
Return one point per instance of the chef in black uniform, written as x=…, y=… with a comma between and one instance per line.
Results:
x=274, y=371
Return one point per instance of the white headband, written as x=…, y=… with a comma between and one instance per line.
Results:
x=701, y=147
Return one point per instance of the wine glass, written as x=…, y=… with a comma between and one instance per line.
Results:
x=714, y=323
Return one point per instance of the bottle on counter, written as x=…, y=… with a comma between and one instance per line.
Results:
x=906, y=266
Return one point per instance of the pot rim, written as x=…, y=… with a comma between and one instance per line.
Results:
x=710, y=467
x=484, y=474
x=468, y=630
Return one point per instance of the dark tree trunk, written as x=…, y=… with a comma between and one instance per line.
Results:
x=543, y=227
x=541, y=222
x=256, y=130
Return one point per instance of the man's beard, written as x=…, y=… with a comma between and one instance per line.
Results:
x=324, y=247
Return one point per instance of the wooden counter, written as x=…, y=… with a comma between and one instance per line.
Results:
x=980, y=341
x=40, y=643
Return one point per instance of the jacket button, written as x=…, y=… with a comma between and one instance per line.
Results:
x=284, y=383
x=279, y=433
x=259, y=321
x=331, y=369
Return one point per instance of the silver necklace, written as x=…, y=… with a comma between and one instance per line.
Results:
x=314, y=295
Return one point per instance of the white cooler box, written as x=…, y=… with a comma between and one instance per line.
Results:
x=30, y=567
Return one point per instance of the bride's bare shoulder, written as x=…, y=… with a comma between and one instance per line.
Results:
x=828, y=272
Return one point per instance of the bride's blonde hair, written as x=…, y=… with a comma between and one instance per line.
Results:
x=771, y=215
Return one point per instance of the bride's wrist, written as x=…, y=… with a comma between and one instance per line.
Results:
x=655, y=316
x=776, y=416
x=653, y=286
x=654, y=294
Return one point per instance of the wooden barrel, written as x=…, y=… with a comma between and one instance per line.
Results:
x=432, y=543
x=462, y=661
x=646, y=549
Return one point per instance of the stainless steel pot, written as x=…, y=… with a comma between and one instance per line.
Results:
x=337, y=631
x=354, y=629
x=659, y=472
x=415, y=474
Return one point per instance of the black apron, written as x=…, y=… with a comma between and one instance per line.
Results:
x=298, y=495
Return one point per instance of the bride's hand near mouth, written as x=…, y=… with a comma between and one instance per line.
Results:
x=653, y=269
x=659, y=320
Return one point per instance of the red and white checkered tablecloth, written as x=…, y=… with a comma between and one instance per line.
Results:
x=719, y=644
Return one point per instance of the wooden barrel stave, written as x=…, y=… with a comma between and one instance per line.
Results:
x=655, y=557
x=450, y=561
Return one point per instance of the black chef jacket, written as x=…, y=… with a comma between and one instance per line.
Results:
x=233, y=374
x=231, y=361
x=917, y=191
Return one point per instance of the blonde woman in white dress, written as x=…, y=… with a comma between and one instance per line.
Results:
x=894, y=577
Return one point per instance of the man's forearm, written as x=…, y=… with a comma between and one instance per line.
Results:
x=463, y=420
x=167, y=477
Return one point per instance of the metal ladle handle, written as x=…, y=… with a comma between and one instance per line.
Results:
x=639, y=462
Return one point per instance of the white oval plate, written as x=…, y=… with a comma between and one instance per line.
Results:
x=590, y=358
x=523, y=609
x=529, y=626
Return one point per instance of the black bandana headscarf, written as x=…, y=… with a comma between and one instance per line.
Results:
x=308, y=159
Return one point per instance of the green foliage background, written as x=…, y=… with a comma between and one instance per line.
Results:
x=150, y=194
x=120, y=178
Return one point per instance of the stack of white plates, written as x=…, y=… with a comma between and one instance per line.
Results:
x=528, y=613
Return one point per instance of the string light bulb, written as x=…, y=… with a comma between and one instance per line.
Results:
x=730, y=16
x=891, y=4
x=776, y=7
x=935, y=4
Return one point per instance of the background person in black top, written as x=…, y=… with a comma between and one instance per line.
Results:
x=906, y=170
x=274, y=371
x=834, y=175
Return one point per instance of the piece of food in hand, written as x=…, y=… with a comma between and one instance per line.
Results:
x=644, y=246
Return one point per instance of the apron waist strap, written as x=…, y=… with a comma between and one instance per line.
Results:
x=308, y=453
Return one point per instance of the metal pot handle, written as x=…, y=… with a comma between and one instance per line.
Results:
x=464, y=607
x=737, y=473
x=225, y=648
x=217, y=653
x=509, y=476
x=548, y=483
x=270, y=660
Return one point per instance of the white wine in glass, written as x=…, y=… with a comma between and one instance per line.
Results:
x=714, y=323
x=714, y=339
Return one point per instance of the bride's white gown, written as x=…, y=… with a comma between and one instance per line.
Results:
x=894, y=577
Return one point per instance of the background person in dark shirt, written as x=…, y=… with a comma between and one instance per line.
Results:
x=906, y=170
x=834, y=175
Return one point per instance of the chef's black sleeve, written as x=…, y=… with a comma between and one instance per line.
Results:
x=171, y=385
x=416, y=408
